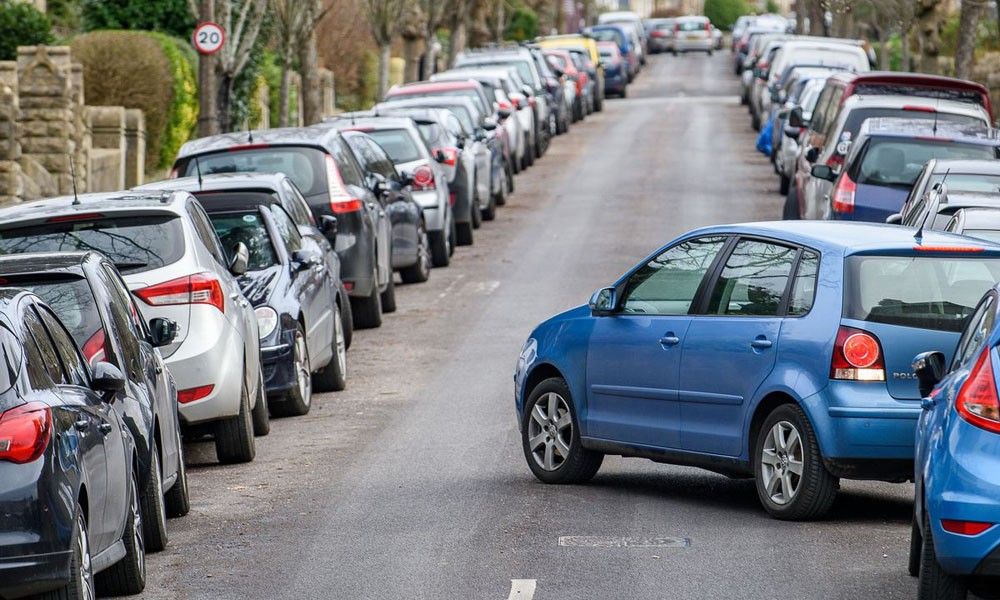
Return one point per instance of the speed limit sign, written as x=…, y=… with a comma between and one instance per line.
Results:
x=209, y=38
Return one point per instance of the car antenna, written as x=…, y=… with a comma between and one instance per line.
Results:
x=197, y=166
x=933, y=206
x=249, y=133
x=72, y=176
x=937, y=105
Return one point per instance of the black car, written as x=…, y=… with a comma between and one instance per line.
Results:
x=325, y=169
x=266, y=188
x=69, y=468
x=87, y=294
x=301, y=324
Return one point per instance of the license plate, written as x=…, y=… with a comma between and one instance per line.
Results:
x=692, y=36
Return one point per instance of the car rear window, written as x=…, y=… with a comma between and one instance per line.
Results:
x=466, y=93
x=398, y=144
x=991, y=235
x=924, y=292
x=691, y=25
x=305, y=166
x=898, y=162
x=134, y=243
x=608, y=35
x=247, y=227
x=882, y=89
x=967, y=182
x=523, y=66
x=433, y=133
x=70, y=298
x=858, y=116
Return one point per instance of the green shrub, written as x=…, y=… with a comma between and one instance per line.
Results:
x=723, y=13
x=523, y=24
x=22, y=25
x=145, y=70
x=169, y=16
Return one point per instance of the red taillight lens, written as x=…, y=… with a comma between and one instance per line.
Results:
x=708, y=27
x=24, y=432
x=677, y=27
x=843, y=194
x=94, y=349
x=977, y=400
x=74, y=217
x=504, y=105
x=451, y=199
x=192, y=394
x=657, y=34
x=531, y=101
x=340, y=201
x=200, y=288
x=965, y=527
x=423, y=178
x=450, y=156
x=857, y=356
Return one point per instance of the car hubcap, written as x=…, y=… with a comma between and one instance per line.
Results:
x=137, y=539
x=83, y=555
x=781, y=462
x=425, y=252
x=338, y=332
x=302, y=372
x=550, y=431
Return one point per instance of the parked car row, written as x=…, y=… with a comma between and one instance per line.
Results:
x=907, y=158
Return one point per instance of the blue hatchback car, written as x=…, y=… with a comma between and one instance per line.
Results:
x=955, y=544
x=779, y=351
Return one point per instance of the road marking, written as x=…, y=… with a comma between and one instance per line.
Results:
x=521, y=589
x=597, y=541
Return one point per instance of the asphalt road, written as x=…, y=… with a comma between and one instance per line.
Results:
x=411, y=484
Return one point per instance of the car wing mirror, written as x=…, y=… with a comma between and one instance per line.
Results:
x=241, y=259
x=439, y=156
x=162, y=331
x=792, y=132
x=328, y=224
x=489, y=124
x=823, y=172
x=795, y=117
x=108, y=380
x=480, y=135
x=304, y=259
x=929, y=369
x=603, y=302
x=503, y=113
x=406, y=178
x=894, y=219
x=812, y=154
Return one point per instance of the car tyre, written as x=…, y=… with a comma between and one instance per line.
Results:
x=500, y=197
x=347, y=315
x=509, y=174
x=419, y=271
x=790, y=212
x=260, y=414
x=554, y=454
x=333, y=377
x=464, y=235
x=177, y=500
x=935, y=583
x=298, y=400
x=128, y=576
x=916, y=546
x=81, y=575
x=155, y=522
x=234, y=441
x=389, y=295
x=476, y=213
x=367, y=312
x=786, y=443
x=784, y=185
x=440, y=251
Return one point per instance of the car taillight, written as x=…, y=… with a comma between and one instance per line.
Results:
x=423, y=179
x=192, y=394
x=857, y=356
x=531, y=101
x=965, y=527
x=843, y=194
x=450, y=156
x=977, y=400
x=200, y=288
x=451, y=199
x=677, y=28
x=173, y=173
x=708, y=27
x=340, y=201
x=94, y=348
x=504, y=105
x=24, y=432
x=657, y=34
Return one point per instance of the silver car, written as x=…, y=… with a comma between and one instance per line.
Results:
x=173, y=263
x=693, y=34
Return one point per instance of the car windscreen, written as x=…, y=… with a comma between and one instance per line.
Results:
x=898, y=162
x=73, y=302
x=134, y=243
x=924, y=292
x=398, y=144
x=247, y=227
x=303, y=165
x=967, y=182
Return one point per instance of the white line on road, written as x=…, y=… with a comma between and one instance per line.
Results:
x=522, y=589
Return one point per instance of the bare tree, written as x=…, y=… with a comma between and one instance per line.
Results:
x=968, y=28
x=928, y=22
x=433, y=12
x=293, y=25
x=384, y=19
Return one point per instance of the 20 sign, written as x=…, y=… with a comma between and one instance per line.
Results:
x=209, y=38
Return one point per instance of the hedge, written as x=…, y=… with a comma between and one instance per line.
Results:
x=22, y=25
x=145, y=70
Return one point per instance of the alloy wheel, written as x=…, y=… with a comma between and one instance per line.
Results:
x=86, y=572
x=550, y=431
x=137, y=537
x=303, y=373
x=781, y=462
x=341, y=345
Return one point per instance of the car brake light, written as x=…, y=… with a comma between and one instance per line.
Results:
x=948, y=249
x=192, y=394
x=843, y=194
x=74, y=217
x=94, y=349
x=708, y=27
x=657, y=34
x=965, y=527
x=340, y=201
x=977, y=400
x=200, y=288
x=24, y=432
x=348, y=285
x=451, y=199
x=914, y=108
x=450, y=156
x=247, y=147
x=423, y=179
x=504, y=105
x=857, y=356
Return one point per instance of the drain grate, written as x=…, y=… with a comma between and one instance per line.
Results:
x=597, y=541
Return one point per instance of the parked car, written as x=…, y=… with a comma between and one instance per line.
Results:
x=631, y=22
x=578, y=42
x=963, y=176
x=173, y=263
x=615, y=74
x=936, y=208
x=573, y=81
x=885, y=160
x=955, y=539
x=89, y=297
x=693, y=34
x=327, y=173
x=621, y=38
x=69, y=475
x=661, y=35
x=803, y=96
x=294, y=298
x=977, y=222
x=735, y=349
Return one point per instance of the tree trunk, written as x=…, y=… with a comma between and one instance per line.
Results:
x=457, y=42
x=907, y=62
x=430, y=56
x=225, y=100
x=382, y=85
x=411, y=59
x=285, y=95
x=312, y=109
x=816, y=24
x=801, y=13
x=928, y=35
x=208, y=123
x=968, y=27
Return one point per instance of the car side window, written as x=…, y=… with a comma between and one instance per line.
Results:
x=297, y=206
x=350, y=172
x=819, y=122
x=206, y=232
x=753, y=281
x=803, y=293
x=34, y=364
x=667, y=285
x=380, y=161
x=979, y=327
x=123, y=328
x=46, y=351
x=286, y=229
x=830, y=119
x=73, y=365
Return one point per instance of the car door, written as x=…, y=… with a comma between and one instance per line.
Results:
x=353, y=176
x=731, y=347
x=634, y=356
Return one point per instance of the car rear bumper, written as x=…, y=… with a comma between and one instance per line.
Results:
x=682, y=45
x=357, y=262
x=433, y=203
x=22, y=576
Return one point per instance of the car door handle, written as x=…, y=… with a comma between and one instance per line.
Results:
x=82, y=425
x=104, y=428
x=236, y=296
x=761, y=343
x=670, y=340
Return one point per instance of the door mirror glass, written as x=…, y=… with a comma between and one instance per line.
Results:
x=304, y=259
x=929, y=369
x=795, y=117
x=823, y=172
x=108, y=380
x=162, y=331
x=240, y=259
x=603, y=302
x=329, y=224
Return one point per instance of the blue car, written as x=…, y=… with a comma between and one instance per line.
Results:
x=955, y=545
x=883, y=163
x=779, y=351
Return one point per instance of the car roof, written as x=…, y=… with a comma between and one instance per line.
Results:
x=969, y=198
x=981, y=216
x=374, y=122
x=966, y=166
x=435, y=86
x=165, y=201
x=218, y=181
x=434, y=101
x=902, y=78
x=282, y=136
x=46, y=262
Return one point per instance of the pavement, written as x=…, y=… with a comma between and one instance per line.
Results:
x=411, y=484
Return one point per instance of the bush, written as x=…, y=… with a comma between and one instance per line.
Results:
x=523, y=24
x=723, y=13
x=169, y=16
x=145, y=70
x=22, y=25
